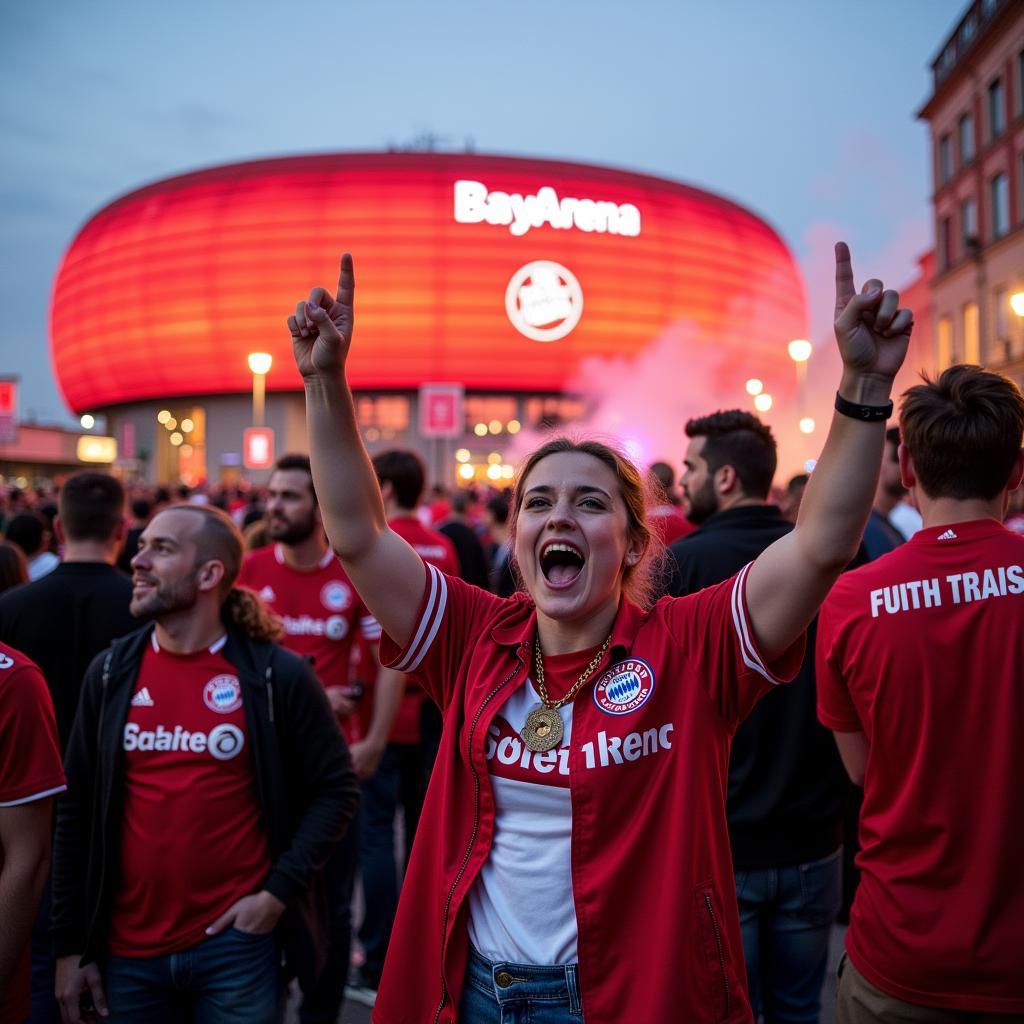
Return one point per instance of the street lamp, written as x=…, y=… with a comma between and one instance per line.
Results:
x=800, y=351
x=259, y=365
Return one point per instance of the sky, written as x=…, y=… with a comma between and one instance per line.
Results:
x=801, y=110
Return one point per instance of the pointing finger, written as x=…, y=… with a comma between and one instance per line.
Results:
x=346, y=281
x=845, y=289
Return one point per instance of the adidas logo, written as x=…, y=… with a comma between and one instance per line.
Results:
x=948, y=535
x=142, y=699
x=267, y=593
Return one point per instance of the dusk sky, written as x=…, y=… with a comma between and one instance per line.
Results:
x=803, y=111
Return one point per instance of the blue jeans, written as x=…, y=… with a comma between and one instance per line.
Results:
x=786, y=914
x=508, y=993
x=231, y=978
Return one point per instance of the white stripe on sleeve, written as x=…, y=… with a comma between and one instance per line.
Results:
x=430, y=622
x=739, y=620
x=369, y=627
x=35, y=796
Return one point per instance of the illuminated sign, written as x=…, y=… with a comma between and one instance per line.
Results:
x=544, y=301
x=430, y=289
x=258, y=448
x=8, y=410
x=474, y=204
x=441, y=410
x=95, y=448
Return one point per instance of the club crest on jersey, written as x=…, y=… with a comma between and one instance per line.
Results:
x=223, y=694
x=335, y=596
x=5, y=661
x=625, y=687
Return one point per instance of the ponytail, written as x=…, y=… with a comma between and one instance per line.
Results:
x=246, y=611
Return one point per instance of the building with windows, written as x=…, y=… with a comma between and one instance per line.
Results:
x=976, y=118
x=485, y=286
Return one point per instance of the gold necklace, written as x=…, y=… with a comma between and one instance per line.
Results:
x=543, y=729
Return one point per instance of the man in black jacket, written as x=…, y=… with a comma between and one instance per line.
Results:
x=787, y=786
x=207, y=784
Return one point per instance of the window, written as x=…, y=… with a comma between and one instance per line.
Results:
x=968, y=225
x=966, y=130
x=494, y=412
x=1000, y=199
x=945, y=245
x=972, y=333
x=1020, y=82
x=945, y=341
x=966, y=33
x=996, y=109
x=1001, y=298
x=382, y=417
x=945, y=159
x=945, y=62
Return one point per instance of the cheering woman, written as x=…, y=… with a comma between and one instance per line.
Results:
x=572, y=861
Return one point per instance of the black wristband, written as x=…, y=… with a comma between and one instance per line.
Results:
x=866, y=413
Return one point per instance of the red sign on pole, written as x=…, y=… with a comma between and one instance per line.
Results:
x=8, y=410
x=441, y=410
x=127, y=445
x=258, y=448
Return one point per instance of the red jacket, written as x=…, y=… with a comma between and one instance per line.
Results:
x=659, y=936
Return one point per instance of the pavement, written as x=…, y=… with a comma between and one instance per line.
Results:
x=353, y=1013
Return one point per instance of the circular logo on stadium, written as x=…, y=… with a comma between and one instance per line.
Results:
x=223, y=694
x=336, y=596
x=544, y=301
x=336, y=627
x=625, y=687
x=225, y=741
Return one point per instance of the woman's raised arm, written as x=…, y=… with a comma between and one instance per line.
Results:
x=387, y=572
x=790, y=579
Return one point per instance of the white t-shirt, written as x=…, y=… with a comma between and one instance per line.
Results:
x=521, y=906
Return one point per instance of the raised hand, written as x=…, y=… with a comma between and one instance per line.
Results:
x=871, y=329
x=321, y=328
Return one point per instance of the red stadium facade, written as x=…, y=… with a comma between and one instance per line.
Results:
x=498, y=274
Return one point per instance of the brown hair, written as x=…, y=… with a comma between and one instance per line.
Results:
x=220, y=540
x=963, y=432
x=13, y=567
x=737, y=438
x=641, y=583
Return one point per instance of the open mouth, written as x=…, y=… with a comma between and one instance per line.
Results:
x=561, y=563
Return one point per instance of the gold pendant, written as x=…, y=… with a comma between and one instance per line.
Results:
x=543, y=729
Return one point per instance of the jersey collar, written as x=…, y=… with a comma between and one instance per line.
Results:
x=328, y=556
x=628, y=621
x=216, y=646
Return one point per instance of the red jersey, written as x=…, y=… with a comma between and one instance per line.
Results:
x=30, y=770
x=192, y=838
x=322, y=614
x=922, y=651
x=658, y=935
x=670, y=523
x=435, y=549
